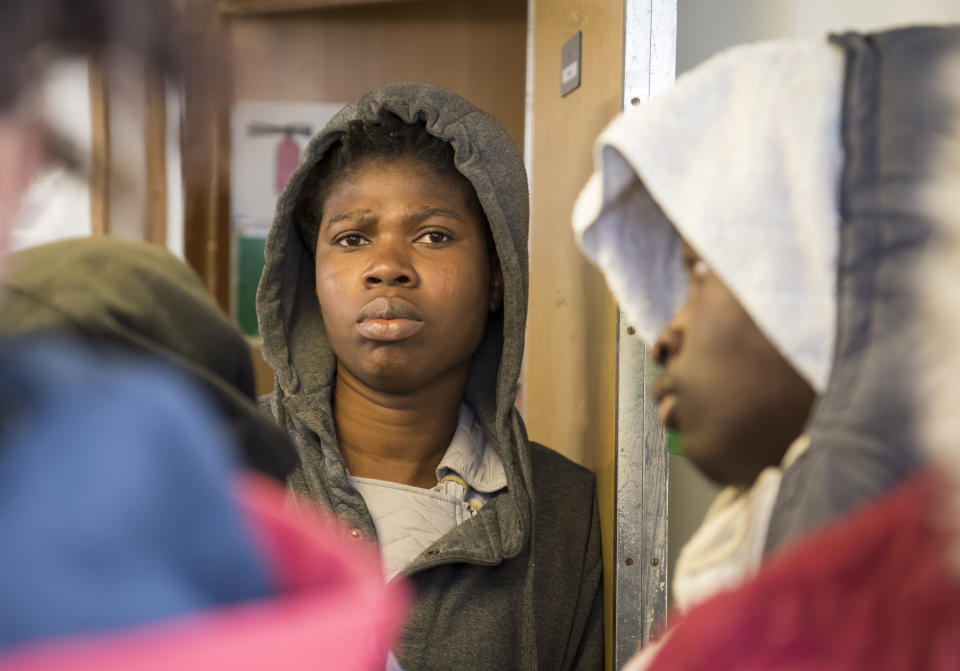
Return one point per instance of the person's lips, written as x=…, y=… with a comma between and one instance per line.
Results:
x=388, y=330
x=665, y=396
x=665, y=408
x=388, y=319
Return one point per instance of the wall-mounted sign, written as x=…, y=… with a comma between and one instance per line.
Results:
x=570, y=65
x=268, y=138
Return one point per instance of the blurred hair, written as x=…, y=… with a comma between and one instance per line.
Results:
x=32, y=32
x=386, y=137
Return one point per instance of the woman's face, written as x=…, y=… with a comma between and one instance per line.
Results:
x=403, y=274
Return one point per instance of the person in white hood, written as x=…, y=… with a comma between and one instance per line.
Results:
x=714, y=215
x=762, y=225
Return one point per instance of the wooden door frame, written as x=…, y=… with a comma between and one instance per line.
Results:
x=155, y=139
x=640, y=536
x=251, y=7
x=100, y=147
x=205, y=148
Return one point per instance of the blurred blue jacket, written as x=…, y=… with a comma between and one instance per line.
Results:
x=115, y=507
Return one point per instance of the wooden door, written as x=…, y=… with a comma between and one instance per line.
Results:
x=586, y=378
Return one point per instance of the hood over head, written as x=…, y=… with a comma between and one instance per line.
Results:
x=812, y=177
x=938, y=392
x=728, y=160
x=933, y=129
x=291, y=326
x=141, y=297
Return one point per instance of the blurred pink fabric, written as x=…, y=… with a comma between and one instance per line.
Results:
x=872, y=592
x=332, y=609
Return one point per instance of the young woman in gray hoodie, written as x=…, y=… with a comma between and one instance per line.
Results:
x=392, y=309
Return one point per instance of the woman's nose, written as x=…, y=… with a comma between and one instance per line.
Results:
x=390, y=266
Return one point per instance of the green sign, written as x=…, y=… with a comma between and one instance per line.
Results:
x=249, y=268
x=673, y=443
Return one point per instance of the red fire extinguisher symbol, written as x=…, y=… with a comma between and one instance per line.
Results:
x=288, y=151
x=288, y=157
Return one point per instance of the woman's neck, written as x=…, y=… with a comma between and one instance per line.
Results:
x=396, y=437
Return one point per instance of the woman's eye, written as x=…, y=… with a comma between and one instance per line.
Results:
x=435, y=237
x=349, y=241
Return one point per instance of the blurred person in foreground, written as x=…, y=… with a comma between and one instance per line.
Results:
x=804, y=186
x=131, y=537
x=126, y=298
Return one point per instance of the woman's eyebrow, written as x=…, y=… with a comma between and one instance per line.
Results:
x=359, y=216
x=426, y=212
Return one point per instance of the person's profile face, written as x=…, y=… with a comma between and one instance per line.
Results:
x=403, y=274
x=735, y=401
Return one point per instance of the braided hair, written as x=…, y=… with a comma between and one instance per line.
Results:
x=387, y=137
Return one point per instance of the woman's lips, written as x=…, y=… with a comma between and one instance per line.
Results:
x=388, y=319
x=388, y=330
x=665, y=407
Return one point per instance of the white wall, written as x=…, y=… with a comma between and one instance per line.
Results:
x=705, y=27
x=57, y=204
x=175, y=223
x=252, y=162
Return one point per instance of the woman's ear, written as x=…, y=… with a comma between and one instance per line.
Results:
x=496, y=283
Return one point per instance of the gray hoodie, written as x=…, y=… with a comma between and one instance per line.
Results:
x=518, y=586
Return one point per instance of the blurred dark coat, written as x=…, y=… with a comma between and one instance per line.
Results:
x=901, y=141
x=138, y=297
